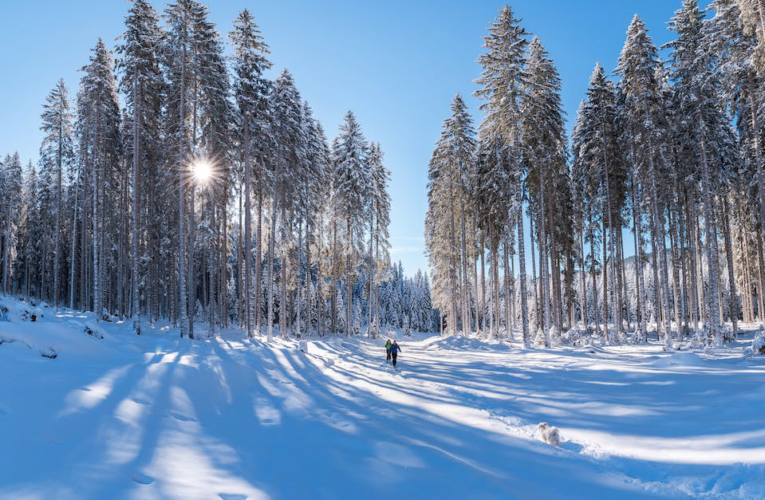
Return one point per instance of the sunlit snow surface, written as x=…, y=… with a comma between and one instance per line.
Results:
x=156, y=416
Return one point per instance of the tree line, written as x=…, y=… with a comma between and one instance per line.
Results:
x=665, y=151
x=212, y=196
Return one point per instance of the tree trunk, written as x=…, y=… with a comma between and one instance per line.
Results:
x=522, y=274
x=271, y=236
x=135, y=201
x=483, y=285
x=183, y=308
x=466, y=281
x=733, y=299
x=257, y=307
x=348, y=284
x=72, y=258
x=543, y=263
x=247, y=228
x=711, y=244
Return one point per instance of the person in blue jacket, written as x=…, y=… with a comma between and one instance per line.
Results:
x=394, y=350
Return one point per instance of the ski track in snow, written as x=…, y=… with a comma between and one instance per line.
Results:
x=157, y=416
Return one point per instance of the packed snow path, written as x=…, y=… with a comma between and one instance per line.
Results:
x=155, y=416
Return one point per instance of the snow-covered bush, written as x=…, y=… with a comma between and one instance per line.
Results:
x=12, y=310
x=555, y=336
x=407, y=328
x=37, y=314
x=539, y=339
x=758, y=343
x=48, y=352
x=728, y=334
x=573, y=336
x=92, y=328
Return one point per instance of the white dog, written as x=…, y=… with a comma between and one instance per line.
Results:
x=550, y=435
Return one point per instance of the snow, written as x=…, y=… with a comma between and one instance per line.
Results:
x=157, y=416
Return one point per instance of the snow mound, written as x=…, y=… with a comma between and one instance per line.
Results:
x=61, y=334
x=13, y=310
x=93, y=328
x=464, y=343
x=758, y=344
x=679, y=360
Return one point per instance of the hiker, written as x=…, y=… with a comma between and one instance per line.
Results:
x=387, y=351
x=394, y=350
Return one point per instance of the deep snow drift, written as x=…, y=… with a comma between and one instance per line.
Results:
x=228, y=417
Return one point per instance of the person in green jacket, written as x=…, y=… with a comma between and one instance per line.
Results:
x=387, y=351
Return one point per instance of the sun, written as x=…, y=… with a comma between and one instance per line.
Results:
x=202, y=171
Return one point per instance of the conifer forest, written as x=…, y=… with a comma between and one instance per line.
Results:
x=506, y=251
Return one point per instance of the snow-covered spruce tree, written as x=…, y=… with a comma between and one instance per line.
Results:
x=318, y=154
x=448, y=198
x=501, y=84
x=57, y=154
x=752, y=13
x=212, y=137
x=543, y=148
x=309, y=175
x=602, y=176
x=642, y=118
x=142, y=84
x=492, y=193
x=379, y=219
x=197, y=125
x=705, y=127
x=10, y=209
x=179, y=73
x=734, y=51
x=352, y=185
x=290, y=143
x=99, y=129
x=251, y=91
x=582, y=188
x=29, y=241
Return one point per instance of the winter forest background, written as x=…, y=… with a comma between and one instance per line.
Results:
x=669, y=149
x=211, y=196
x=172, y=164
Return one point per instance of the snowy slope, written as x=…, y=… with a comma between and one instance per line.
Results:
x=156, y=416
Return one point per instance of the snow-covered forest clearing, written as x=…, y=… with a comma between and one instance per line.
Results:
x=196, y=283
x=158, y=416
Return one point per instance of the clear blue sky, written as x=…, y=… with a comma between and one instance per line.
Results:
x=397, y=64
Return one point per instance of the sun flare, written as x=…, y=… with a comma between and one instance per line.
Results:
x=202, y=171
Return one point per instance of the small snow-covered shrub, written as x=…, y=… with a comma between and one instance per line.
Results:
x=577, y=337
x=539, y=339
x=555, y=336
x=572, y=336
x=303, y=346
x=758, y=343
x=37, y=315
x=105, y=316
x=92, y=328
x=699, y=340
x=48, y=352
x=728, y=334
x=16, y=311
x=407, y=328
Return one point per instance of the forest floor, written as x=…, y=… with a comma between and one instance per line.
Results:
x=228, y=417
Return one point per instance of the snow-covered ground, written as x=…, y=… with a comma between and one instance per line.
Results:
x=156, y=416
